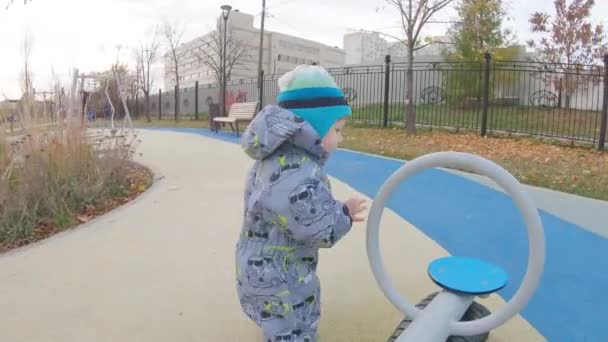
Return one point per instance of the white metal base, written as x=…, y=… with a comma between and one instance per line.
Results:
x=434, y=322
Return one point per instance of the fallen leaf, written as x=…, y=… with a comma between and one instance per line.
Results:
x=83, y=218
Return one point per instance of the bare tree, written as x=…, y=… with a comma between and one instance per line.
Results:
x=415, y=14
x=57, y=97
x=146, y=56
x=26, y=74
x=571, y=43
x=173, y=36
x=132, y=87
x=210, y=53
x=128, y=82
x=10, y=2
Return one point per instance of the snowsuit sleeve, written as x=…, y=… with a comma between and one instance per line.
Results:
x=307, y=210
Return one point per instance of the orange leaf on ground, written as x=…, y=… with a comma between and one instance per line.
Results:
x=83, y=218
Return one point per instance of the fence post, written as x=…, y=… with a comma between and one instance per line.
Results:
x=486, y=94
x=196, y=100
x=160, y=104
x=261, y=89
x=176, y=102
x=136, y=106
x=387, y=73
x=602, y=140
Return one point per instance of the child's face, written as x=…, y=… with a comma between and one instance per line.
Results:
x=334, y=136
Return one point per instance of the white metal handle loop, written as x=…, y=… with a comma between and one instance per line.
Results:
x=473, y=163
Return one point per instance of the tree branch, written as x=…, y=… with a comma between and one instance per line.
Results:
x=420, y=47
x=388, y=35
x=428, y=14
x=414, y=22
x=210, y=52
x=173, y=36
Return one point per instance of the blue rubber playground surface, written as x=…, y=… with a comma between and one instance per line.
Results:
x=470, y=219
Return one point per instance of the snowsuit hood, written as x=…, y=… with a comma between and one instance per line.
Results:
x=273, y=127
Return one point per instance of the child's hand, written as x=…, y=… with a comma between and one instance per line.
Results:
x=356, y=206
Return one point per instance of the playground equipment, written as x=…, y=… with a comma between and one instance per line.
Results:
x=91, y=85
x=440, y=316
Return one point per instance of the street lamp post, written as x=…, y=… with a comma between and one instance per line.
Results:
x=225, y=13
x=261, y=58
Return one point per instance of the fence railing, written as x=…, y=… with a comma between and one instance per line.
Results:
x=568, y=102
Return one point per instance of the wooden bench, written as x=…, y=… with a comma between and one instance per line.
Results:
x=244, y=111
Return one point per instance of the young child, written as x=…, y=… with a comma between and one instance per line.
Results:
x=289, y=210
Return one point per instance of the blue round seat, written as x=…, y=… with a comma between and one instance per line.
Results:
x=467, y=275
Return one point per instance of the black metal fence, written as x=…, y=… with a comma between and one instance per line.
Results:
x=568, y=102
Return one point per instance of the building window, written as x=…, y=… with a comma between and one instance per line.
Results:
x=279, y=57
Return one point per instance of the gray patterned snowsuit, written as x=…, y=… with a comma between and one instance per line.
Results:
x=289, y=214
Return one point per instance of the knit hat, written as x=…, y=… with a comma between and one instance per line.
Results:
x=311, y=93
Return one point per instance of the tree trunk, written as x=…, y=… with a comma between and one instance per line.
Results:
x=177, y=97
x=222, y=100
x=410, y=110
x=177, y=103
x=567, y=92
x=148, y=118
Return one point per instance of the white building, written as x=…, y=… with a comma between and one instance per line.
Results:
x=370, y=48
x=281, y=53
x=364, y=48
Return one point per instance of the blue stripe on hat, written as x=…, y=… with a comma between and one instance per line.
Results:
x=313, y=103
x=322, y=118
x=309, y=93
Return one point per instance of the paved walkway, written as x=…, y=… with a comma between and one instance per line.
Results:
x=469, y=218
x=161, y=268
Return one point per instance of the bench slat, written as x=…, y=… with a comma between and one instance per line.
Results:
x=242, y=111
x=224, y=119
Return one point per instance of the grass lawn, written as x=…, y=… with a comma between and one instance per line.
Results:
x=577, y=170
x=565, y=123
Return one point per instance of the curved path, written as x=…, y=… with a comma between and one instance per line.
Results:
x=161, y=268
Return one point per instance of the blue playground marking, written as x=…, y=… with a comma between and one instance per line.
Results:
x=472, y=220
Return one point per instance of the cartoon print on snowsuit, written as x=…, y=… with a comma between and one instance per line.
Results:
x=289, y=214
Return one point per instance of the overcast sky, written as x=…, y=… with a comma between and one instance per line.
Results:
x=85, y=33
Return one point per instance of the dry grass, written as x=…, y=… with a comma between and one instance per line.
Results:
x=54, y=176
